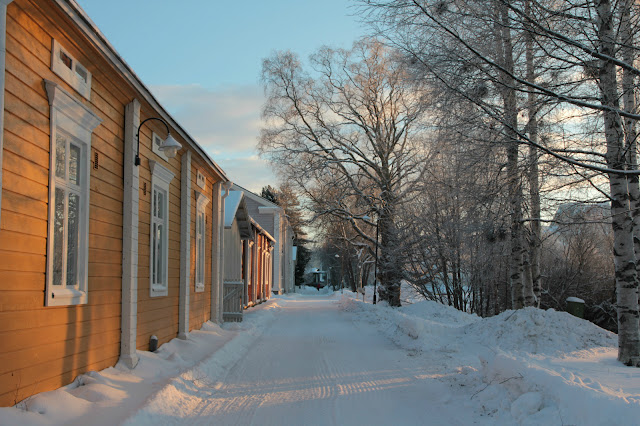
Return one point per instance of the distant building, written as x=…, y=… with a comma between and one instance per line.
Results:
x=273, y=220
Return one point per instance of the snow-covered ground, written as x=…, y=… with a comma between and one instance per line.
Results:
x=317, y=357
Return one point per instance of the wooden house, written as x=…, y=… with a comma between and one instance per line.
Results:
x=261, y=248
x=237, y=229
x=105, y=238
x=273, y=220
x=248, y=259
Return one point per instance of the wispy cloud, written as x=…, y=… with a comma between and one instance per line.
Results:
x=226, y=123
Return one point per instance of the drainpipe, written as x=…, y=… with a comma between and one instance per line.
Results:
x=185, y=246
x=3, y=51
x=130, y=227
x=226, y=186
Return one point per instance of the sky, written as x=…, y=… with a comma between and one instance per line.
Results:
x=202, y=60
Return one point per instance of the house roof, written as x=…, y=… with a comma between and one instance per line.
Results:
x=261, y=230
x=256, y=197
x=231, y=204
x=235, y=208
x=100, y=42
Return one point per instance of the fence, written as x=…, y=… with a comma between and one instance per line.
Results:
x=232, y=301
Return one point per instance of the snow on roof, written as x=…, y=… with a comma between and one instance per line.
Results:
x=231, y=204
x=255, y=196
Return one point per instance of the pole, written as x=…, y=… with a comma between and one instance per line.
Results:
x=375, y=269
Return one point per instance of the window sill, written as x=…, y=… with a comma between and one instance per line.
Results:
x=159, y=291
x=67, y=296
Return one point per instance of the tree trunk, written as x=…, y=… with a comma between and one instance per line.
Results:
x=390, y=273
x=516, y=259
x=621, y=222
x=628, y=96
x=532, y=296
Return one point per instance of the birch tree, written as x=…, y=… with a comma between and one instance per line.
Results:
x=590, y=48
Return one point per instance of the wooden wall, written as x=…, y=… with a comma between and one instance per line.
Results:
x=45, y=347
x=232, y=253
x=157, y=315
x=200, y=303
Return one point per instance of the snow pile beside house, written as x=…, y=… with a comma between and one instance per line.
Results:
x=111, y=396
x=526, y=367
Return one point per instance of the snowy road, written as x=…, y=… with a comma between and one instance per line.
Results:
x=316, y=364
x=314, y=359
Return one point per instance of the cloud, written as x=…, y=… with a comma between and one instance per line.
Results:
x=226, y=123
x=250, y=172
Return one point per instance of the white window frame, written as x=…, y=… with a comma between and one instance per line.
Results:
x=71, y=73
x=71, y=118
x=161, y=178
x=156, y=141
x=201, y=241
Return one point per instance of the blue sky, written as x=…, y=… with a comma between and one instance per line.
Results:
x=202, y=59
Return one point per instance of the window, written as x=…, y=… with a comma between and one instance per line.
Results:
x=155, y=146
x=201, y=203
x=70, y=70
x=67, y=245
x=159, y=233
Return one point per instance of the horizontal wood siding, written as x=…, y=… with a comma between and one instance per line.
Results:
x=232, y=253
x=200, y=303
x=46, y=347
x=157, y=315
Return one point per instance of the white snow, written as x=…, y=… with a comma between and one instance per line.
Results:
x=231, y=204
x=319, y=357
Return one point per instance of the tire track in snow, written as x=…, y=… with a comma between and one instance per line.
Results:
x=312, y=364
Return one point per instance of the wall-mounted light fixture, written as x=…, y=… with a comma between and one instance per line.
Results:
x=169, y=146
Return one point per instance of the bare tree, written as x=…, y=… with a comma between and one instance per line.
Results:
x=589, y=48
x=351, y=123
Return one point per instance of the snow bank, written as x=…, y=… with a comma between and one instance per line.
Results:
x=438, y=312
x=537, y=331
x=114, y=394
x=311, y=291
x=527, y=367
x=541, y=393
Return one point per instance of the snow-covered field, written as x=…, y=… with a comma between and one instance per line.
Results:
x=317, y=357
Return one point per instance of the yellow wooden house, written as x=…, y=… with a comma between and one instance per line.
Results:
x=110, y=230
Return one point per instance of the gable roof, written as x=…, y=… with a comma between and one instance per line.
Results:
x=235, y=208
x=261, y=230
x=255, y=197
x=231, y=204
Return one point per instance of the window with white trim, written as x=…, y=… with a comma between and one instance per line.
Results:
x=161, y=177
x=201, y=231
x=70, y=70
x=71, y=126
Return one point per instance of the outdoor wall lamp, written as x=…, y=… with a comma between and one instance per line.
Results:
x=169, y=146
